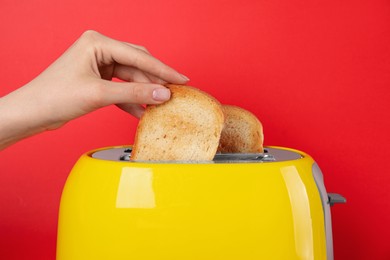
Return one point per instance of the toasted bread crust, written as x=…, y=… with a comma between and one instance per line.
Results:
x=185, y=128
x=242, y=133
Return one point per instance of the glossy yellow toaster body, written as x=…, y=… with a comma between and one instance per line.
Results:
x=275, y=208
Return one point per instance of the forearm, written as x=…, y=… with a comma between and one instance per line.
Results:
x=19, y=117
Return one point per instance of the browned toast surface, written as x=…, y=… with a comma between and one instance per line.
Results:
x=186, y=128
x=242, y=133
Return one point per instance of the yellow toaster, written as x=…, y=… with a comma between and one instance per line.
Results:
x=271, y=205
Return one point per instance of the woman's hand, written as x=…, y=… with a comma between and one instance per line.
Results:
x=79, y=82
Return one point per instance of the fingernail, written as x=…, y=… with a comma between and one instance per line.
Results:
x=184, y=77
x=161, y=94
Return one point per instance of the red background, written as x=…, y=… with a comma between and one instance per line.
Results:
x=316, y=73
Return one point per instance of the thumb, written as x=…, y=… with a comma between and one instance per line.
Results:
x=135, y=93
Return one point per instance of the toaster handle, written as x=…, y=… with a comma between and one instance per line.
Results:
x=335, y=198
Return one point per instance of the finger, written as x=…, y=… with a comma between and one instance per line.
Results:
x=126, y=54
x=152, y=78
x=133, y=92
x=133, y=109
x=132, y=74
x=142, y=48
x=155, y=79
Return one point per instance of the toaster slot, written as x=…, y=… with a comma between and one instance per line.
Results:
x=270, y=154
x=222, y=158
x=126, y=155
x=243, y=157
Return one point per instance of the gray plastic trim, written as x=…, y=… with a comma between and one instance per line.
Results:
x=319, y=179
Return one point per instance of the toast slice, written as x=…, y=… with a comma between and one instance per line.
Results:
x=242, y=133
x=185, y=128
